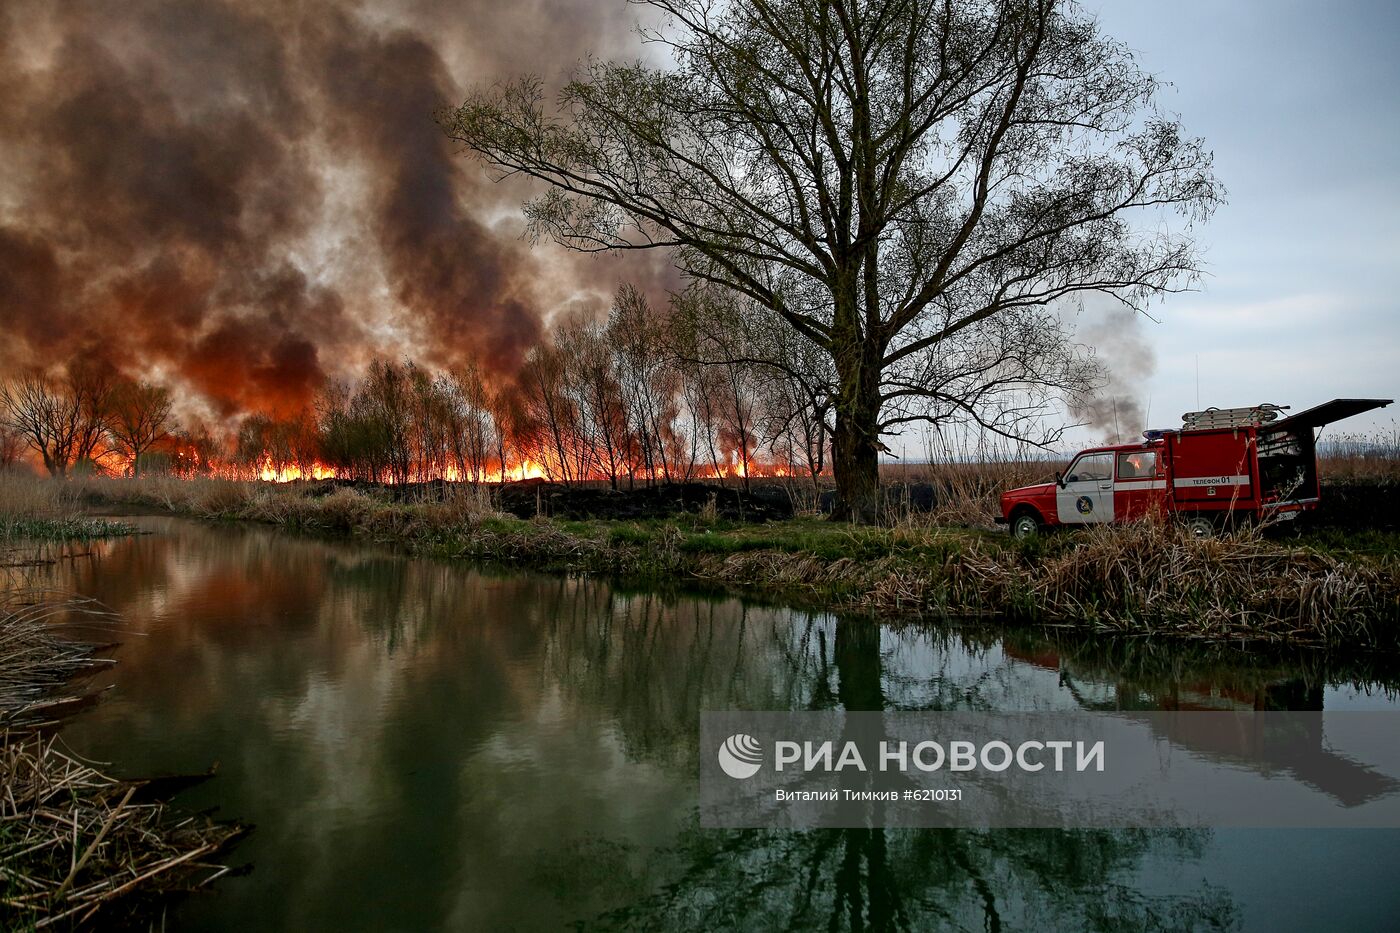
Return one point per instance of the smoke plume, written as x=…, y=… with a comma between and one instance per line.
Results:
x=244, y=198
x=1116, y=411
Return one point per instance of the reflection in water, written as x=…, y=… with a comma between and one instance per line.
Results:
x=421, y=745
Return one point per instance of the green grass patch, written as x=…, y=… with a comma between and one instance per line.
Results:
x=1341, y=543
x=66, y=528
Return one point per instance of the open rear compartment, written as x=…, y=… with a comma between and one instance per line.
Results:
x=1288, y=466
x=1288, y=449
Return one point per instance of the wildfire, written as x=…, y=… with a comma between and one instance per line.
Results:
x=269, y=472
x=526, y=469
x=738, y=471
x=268, y=469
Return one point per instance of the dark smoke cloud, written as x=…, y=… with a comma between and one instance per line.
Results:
x=1117, y=410
x=246, y=197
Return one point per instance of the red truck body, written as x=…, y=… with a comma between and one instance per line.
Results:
x=1204, y=474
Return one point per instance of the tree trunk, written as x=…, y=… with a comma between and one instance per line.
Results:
x=855, y=461
x=855, y=450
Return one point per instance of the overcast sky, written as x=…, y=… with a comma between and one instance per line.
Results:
x=1299, y=102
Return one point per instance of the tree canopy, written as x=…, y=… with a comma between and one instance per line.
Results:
x=913, y=187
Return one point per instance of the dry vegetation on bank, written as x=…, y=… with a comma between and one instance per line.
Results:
x=47, y=511
x=1136, y=579
x=76, y=845
x=1372, y=459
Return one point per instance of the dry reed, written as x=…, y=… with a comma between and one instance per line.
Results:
x=317, y=506
x=1360, y=458
x=37, y=660
x=1135, y=579
x=43, y=509
x=75, y=842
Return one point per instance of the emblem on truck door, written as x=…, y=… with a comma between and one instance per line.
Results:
x=1085, y=505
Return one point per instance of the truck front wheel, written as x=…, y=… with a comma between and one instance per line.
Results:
x=1200, y=526
x=1025, y=525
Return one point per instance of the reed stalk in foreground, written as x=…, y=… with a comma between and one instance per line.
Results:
x=77, y=844
x=37, y=661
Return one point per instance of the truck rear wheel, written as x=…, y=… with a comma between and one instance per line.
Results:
x=1200, y=526
x=1025, y=525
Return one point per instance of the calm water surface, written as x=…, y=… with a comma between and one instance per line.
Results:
x=421, y=745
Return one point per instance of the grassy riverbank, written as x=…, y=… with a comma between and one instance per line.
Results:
x=1145, y=579
x=33, y=510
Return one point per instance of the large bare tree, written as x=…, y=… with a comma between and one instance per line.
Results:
x=47, y=415
x=140, y=412
x=910, y=185
x=91, y=382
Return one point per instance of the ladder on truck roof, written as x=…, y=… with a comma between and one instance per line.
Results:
x=1213, y=418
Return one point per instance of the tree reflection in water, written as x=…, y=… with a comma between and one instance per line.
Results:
x=877, y=879
x=504, y=749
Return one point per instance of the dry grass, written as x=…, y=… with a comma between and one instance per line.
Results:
x=77, y=844
x=1156, y=578
x=26, y=496
x=1135, y=579
x=1360, y=458
x=969, y=493
x=317, y=506
x=37, y=660
x=43, y=509
x=968, y=476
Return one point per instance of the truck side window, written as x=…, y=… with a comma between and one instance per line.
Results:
x=1140, y=464
x=1091, y=467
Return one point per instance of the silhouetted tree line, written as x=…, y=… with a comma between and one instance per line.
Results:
x=639, y=397
x=90, y=417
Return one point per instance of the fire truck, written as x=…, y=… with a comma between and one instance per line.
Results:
x=1223, y=466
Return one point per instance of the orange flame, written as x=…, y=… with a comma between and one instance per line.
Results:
x=269, y=473
x=189, y=462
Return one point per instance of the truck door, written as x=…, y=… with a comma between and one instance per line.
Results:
x=1086, y=493
x=1139, y=489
